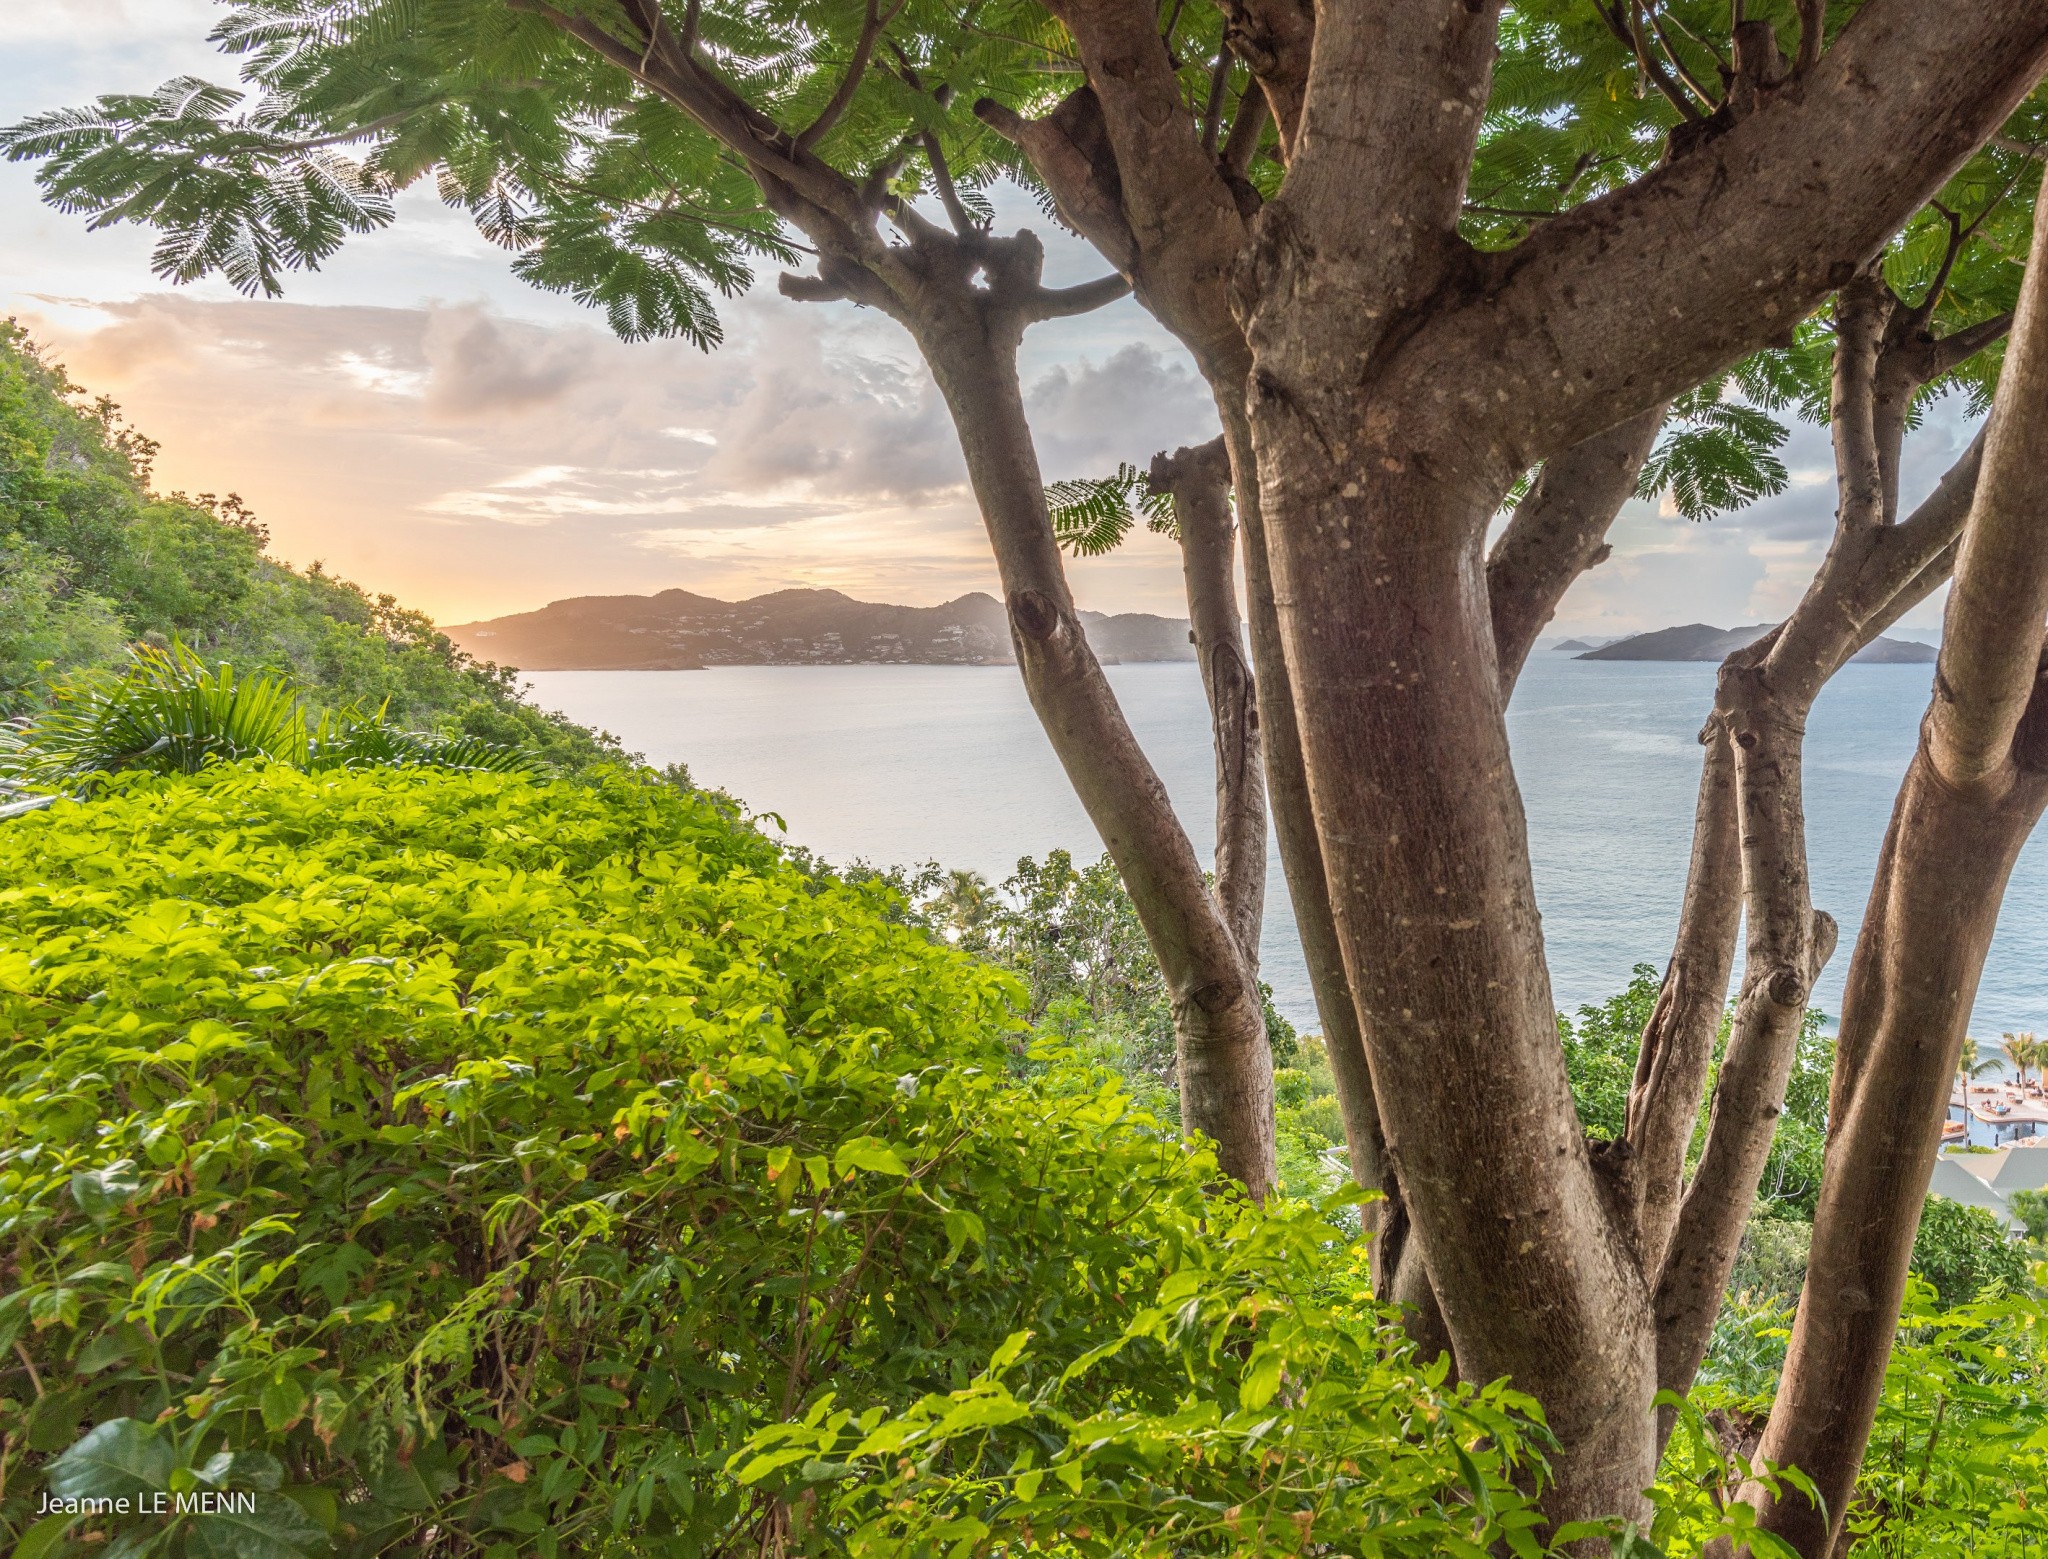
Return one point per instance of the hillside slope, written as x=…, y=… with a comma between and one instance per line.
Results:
x=93, y=559
x=677, y=630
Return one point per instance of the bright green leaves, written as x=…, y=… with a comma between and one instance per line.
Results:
x=233, y=193
x=123, y=1458
x=867, y=1153
x=1715, y=455
x=1091, y=516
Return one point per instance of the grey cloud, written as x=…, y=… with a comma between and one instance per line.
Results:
x=479, y=365
x=1128, y=407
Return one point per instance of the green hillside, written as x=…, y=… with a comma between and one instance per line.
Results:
x=92, y=559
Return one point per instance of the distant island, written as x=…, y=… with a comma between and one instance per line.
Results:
x=1703, y=641
x=678, y=631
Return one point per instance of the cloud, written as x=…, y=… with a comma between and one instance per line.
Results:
x=1129, y=407
x=480, y=366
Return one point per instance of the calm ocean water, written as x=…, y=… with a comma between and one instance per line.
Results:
x=914, y=763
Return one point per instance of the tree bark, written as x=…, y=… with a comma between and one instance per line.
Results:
x=1678, y=1042
x=1975, y=790
x=1198, y=480
x=1224, y=1061
x=1559, y=531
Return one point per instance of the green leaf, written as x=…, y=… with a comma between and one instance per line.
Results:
x=44, y=1537
x=276, y=1528
x=869, y=1153
x=120, y=1459
x=283, y=1404
x=1261, y=1378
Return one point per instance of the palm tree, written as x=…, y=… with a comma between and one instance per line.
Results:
x=1971, y=1065
x=964, y=903
x=2023, y=1051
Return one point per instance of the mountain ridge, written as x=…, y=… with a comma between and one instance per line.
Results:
x=679, y=630
x=1703, y=641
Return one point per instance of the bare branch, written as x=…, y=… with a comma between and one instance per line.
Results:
x=1863, y=309
x=1950, y=352
x=1247, y=128
x=1085, y=298
x=949, y=197
x=1558, y=532
x=1212, y=113
x=1813, y=21
x=1623, y=20
x=1678, y=1041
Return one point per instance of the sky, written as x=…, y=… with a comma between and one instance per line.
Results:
x=419, y=421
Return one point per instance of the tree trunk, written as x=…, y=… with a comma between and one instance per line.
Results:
x=1975, y=790
x=1933, y=909
x=1425, y=849
x=1198, y=479
x=1224, y=1061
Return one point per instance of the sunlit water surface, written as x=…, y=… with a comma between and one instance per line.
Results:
x=901, y=764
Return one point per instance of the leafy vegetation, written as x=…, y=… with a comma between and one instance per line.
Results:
x=1960, y=1451
x=168, y=712
x=91, y=560
x=466, y=1162
x=1962, y=1250
x=1072, y=935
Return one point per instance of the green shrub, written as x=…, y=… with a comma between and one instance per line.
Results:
x=1958, y=1456
x=1962, y=1249
x=168, y=712
x=462, y=1163
x=1771, y=1261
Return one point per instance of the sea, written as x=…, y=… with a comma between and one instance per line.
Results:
x=898, y=765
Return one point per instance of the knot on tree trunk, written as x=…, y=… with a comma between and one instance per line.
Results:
x=1215, y=996
x=1034, y=614
x=1787, y=986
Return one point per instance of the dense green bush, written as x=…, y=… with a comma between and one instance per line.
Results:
x=91, y=559
x=1958, y=1458
x=466, y=1164
x=1962, y=1249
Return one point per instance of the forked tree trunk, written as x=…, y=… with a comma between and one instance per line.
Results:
x=1975, y=790
x=1751, y=828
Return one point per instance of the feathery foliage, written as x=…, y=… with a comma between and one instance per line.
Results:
x=1092, y=515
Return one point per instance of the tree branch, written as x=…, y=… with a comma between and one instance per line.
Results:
x=1678, y=1041
x=1813, y=21
x=872, y=24
x=1863, y=310
x=1989, y=647
x=1247, y=129
x=1197, y=480
x=1687, y=244
x=1082, y=298
x=1558, y=532
x=1274, y=39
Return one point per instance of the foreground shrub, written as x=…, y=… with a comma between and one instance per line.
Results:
x=461, y=1163
x=169, y=712
x=1959, y=1455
